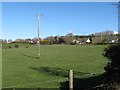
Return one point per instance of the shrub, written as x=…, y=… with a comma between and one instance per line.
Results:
x=44, y=42
x=112, y=77
x=112, y=52
x=9, y=47
x=16, y=46
x=26, y=47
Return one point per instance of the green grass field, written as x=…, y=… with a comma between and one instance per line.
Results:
x=21, y=69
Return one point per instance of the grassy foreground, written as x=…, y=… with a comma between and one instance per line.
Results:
x=21, y=69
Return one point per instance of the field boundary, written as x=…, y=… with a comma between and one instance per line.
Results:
x=55, y=80
x=60, y=80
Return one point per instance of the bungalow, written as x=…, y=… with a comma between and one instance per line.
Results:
x=88, y=40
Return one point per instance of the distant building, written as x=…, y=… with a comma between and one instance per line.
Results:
x=9, y=41
x=88, y=40
x=76, y=41
x=113, y=39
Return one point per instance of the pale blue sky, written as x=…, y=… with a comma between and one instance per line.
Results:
x=19, y=19
x=0, y=20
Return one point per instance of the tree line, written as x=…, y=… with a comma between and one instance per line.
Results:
x=97, y=38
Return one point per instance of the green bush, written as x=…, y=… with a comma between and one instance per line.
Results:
x=26, y=47
x=112, y=76
x=16, y=46
x=112, y=52
x=9, y=47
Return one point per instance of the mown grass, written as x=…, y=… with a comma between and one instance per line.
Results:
x=0, y=65
x=22, y=69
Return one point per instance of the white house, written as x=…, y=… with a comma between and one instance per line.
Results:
x=88, y=40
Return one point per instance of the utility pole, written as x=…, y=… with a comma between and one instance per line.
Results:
x=117, y=4
x=38, y=16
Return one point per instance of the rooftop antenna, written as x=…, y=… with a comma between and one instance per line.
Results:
x=38, y=16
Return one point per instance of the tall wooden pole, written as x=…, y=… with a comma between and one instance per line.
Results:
x=38, y=36
x=38, y=16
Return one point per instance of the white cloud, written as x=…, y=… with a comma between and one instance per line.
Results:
x=70, y=32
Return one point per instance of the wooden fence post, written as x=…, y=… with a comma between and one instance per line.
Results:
x=70, y=80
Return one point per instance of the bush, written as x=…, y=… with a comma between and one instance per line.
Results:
x=26, y=47
x=44, y=42
x=73, y=43
x=112, y=52
x=16, y=46
x=112, y=77
x=9, y=47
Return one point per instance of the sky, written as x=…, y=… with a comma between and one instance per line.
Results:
x=19, y=19
x=0, y=20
